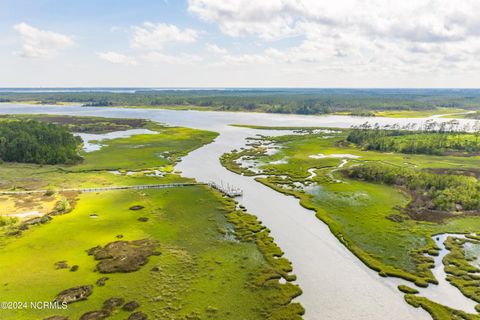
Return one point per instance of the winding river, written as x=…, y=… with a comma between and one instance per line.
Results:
x=335, y=283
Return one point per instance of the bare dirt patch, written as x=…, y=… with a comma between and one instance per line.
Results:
x=124, y=256
x=130, y=306
x=95, y=315
x=112, y=303
x=101, y=282
x=61, y=264
x=138, y=316
x=136, y=207
x=74, y=294
x=420, y=208
x=56, y=318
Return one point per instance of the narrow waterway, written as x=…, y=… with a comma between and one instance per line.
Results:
x=444, y=288
x=335, y=283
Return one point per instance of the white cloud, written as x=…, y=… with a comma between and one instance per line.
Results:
x=161, y=58
x=38, y=43
x=152, y=36
x=354, y=35
x=151, y=39
x=268, y=19
x=246, y=59
x=415, y=20
x=213, y=48
x=117, y=58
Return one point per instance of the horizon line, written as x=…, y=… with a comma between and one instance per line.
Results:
x=237, y=88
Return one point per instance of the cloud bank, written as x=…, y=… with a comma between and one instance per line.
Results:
x=117, y=58
x=351, y=35
x=38, y=43
x=156, y=36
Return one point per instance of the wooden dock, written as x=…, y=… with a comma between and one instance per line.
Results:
x=225, y=189
x=100, y=189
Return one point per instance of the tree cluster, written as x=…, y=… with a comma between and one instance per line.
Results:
x=37, y=142
x=446, y=192
x=433, y=138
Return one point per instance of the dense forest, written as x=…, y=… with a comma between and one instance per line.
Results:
x=83, y=124
x=37, y=142
x=434, y=138
x=443, y=192
x=300, y=101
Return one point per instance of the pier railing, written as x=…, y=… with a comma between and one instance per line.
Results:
x=99, y=189
x=225, y=189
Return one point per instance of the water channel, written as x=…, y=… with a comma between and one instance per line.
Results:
x=336, y=285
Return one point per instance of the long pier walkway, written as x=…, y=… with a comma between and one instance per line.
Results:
x=227, y=190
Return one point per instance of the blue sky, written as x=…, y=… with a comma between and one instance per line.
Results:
x=240, y=43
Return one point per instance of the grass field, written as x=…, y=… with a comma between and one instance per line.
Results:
x=145, y=151
x=214, y=261
x=366, y=217
x=419, y=113
x=202, y=271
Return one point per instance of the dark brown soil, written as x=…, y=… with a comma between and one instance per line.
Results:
x=421, y=208
x=396, y=218
x=74, y=294
x=101, y=282
x=108, y=307
x=123, y=256
x=138, y=316
x=95, y=315
x=143, y=219
x=61, y=264
x=38, y=220
x=74, y=268
x=113, y=303
x=130, y=306
x=136, y=207
x=57, y=318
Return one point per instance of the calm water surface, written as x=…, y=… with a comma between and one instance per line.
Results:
x=336, y=285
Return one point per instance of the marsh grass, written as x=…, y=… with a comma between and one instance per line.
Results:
x=200, y=273
x=366, y=217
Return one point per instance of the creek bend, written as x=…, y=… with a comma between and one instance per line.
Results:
x=335, y=284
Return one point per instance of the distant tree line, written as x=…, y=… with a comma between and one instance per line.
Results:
x=299, y=101
x=99, y=103
x=443, y=191
x=433, y=138
x=84, y=124
x=37, y=142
